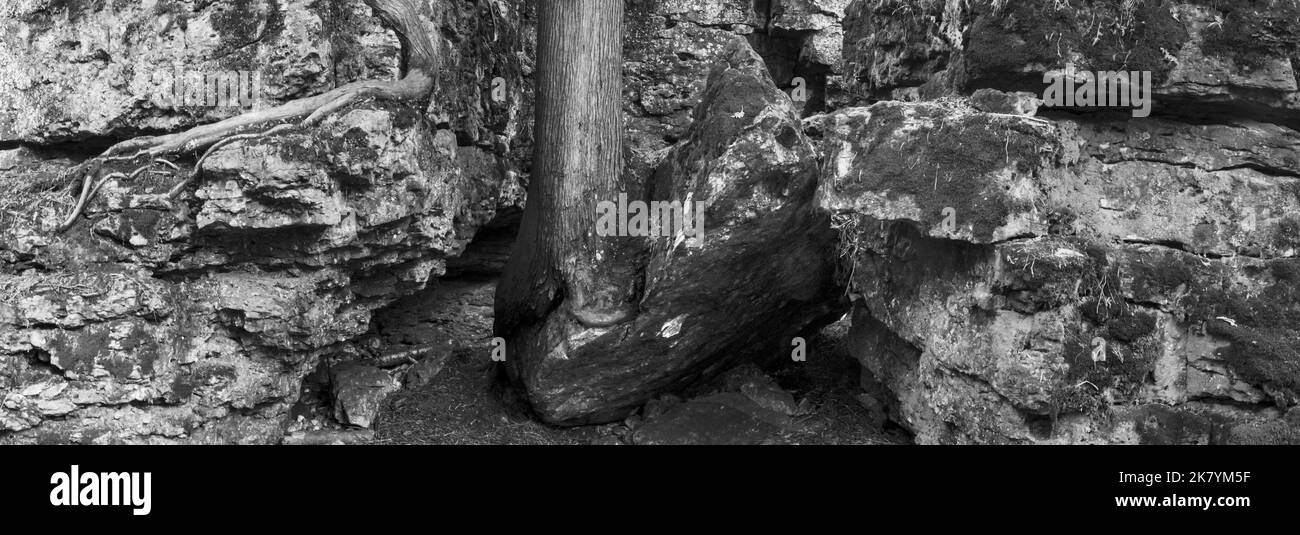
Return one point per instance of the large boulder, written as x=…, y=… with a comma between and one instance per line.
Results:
x=1023, y=280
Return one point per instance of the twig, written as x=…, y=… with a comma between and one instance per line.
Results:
x=408, y=356
x=81, y=203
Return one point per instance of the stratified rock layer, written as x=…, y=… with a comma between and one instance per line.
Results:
x=1206, y=57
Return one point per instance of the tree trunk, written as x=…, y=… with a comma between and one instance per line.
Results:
x=559, y=263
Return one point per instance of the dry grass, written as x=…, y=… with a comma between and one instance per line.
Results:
x=66, y=283
x=25, y=199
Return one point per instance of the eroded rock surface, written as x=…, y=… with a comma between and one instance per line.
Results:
x=183, y=314
x=1207, y=58
x=671, y=45
x=1070, y=281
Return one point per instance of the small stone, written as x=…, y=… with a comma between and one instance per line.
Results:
x=358, y=392
x=54, y=390
x=424, y=371
x=55, y=407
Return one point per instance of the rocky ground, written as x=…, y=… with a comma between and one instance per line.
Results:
x=469, y=402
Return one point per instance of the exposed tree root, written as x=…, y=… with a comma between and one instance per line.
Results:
x=414, y=87
x=88, y=191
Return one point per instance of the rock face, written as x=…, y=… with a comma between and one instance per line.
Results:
x=79, y=70
x=762, y=274
x=1081, y=276
x=82, y=70
x=671, y=45
x=1024, y=280
x=214, y=309
x=196, y=319
x=815, y=26
x=670, y=48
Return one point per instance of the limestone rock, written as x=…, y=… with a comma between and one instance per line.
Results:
x=666, y=60
x=984, y=178
x=1069, y=282
x=358, y=391
x=724, y=13
x=1210, y=58
x=799, y=15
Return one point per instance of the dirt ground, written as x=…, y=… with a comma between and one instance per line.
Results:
x=469, y=401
